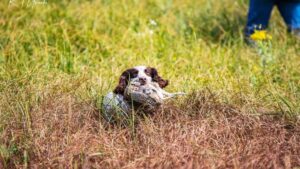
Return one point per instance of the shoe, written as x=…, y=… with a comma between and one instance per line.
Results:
x=260, y=35
x=257, y=36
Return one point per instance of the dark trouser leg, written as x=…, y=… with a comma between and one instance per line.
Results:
x=290, y=12
x=258, y=15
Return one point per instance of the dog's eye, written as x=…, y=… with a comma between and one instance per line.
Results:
x=133, y=73
x=148, y=72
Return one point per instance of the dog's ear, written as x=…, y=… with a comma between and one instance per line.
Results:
x=120, y=89
x=124, y=80
x=156, y=78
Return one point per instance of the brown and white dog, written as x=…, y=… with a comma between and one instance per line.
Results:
x=116, y=101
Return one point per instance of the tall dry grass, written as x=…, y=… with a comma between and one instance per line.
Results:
x=196, y=132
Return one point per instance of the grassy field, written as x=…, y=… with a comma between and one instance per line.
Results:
x=58, y=59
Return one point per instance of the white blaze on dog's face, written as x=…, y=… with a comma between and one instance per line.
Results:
x=142, y=77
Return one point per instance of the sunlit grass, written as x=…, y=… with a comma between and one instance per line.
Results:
x=81, y=48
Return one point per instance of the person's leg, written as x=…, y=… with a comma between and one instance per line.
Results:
x=258, y=15
x=290, y=12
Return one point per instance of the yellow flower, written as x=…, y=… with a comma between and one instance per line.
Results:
x=260, y=35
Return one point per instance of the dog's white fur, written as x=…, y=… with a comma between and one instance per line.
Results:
x=142, y=74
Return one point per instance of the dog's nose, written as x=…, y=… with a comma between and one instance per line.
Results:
x=142, y=80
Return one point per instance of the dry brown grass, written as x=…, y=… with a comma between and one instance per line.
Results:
x=199, y=132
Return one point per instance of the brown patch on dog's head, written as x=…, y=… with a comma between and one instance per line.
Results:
x=124, y=79
x=156, y=78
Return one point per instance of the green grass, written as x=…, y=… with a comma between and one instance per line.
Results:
x=81, y=47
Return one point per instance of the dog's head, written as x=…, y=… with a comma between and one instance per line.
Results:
x=142, y=74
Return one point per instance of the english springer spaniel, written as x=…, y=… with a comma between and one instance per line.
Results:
x=117, y=100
